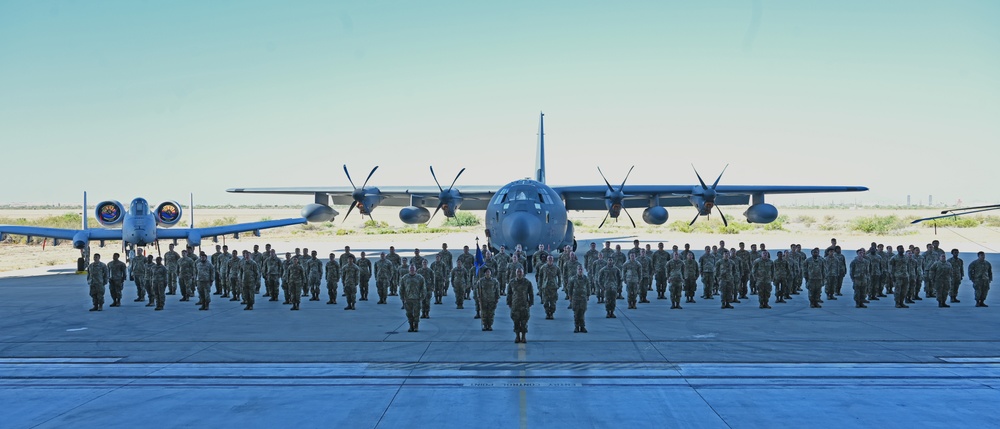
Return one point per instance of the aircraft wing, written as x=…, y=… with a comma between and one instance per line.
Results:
x=954, y=213
x=591, y=197
x=60, y=233
x=213, y=231
x=473, y=197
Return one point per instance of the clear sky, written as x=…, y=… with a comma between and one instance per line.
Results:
x=159, y=99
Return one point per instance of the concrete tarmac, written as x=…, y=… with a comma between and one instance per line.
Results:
x=837, y=367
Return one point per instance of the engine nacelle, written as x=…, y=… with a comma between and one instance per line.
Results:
x=413, y=215
x=318, y=213
x=761, y=213
x=81, y=239
x=109, y=213
x=168, y=213
x=655, y=215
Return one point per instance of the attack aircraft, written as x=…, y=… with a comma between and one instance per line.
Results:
x=529, y=213
x=140, y=226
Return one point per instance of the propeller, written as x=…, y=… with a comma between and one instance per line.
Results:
x=616, y=196
x=358, y=194
x=445, y=196
x=708, y=194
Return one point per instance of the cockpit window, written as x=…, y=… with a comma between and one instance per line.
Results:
x=140, y=206
x=521, y=196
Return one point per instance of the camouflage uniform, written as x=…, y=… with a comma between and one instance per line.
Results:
x=861, y=270
x=900, y=274
x=412, y=289
x=273, y=272
x=97, y=277
x=185, y=273
x=223, y=266
x=647, y=275
x=384, y=273
x=520, y=298
x=332, y=278
x=116, y=280
x=940, y=276
x=547, y=276
x=609, y=278
x=660, y=259
x=727, y=272
x=957, y=272
x=707, y=263
x=579, y=291
x=691, y=274
x=782, y=273
x=159, y=284
x=675, y=275
x=449, y=261
x=981, y=274
x=632, y=273
x=365, y=276
x=296, y=281
x=875, y=282
x=170, y=259
x=397, y=263
x=250, y=280
x=814, y=271
x=314, y=277
x=489, y=293
x=205, y=273
x=233, y=273
x=429, y=282
x=440, y=281
x=742, y=258
x=763, y=274
x=460, y=281
x=350, y=276
x=502, y=260
x=138, y=266
x=215, y=266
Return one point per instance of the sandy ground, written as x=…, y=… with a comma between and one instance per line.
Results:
x=324, y=237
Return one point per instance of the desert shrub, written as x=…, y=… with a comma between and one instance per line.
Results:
x=463, y=219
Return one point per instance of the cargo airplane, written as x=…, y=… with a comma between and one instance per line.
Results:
x=529, y=213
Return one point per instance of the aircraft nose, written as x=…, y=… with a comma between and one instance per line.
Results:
x=522, y=227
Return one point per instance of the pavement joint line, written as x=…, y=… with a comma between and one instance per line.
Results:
x=399, y=388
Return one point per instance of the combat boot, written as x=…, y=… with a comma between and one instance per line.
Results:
x=953, y=300
x=583, y=330
x=576, y=329
x=477, y=315
x=348, y=307
x=330, y=302
x=607, y=315
x=940, y=305
x=249, y=307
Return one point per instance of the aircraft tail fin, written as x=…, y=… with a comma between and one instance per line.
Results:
x=540, y=154
x=191, y=210
x=84, y=209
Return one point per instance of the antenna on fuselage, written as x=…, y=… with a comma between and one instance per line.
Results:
x=540, y=154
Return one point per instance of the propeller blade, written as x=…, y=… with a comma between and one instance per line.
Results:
x=436, y=179
x=629, y=216
x=622, y=187
x=703, y=185
x=724, y=222
x=605, y=181
x=695, y=218
x=456, y=179
x=720, y=176
x=349, y=177
x=354, y=204
x=369, y=177
x=435, y=213
x=605, y=220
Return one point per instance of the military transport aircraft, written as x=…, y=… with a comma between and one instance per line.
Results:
x=960, y=212
x=527, y=212
x=139, y=226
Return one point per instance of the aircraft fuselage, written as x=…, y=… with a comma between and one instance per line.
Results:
x=528, y=213
x=139, y=225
